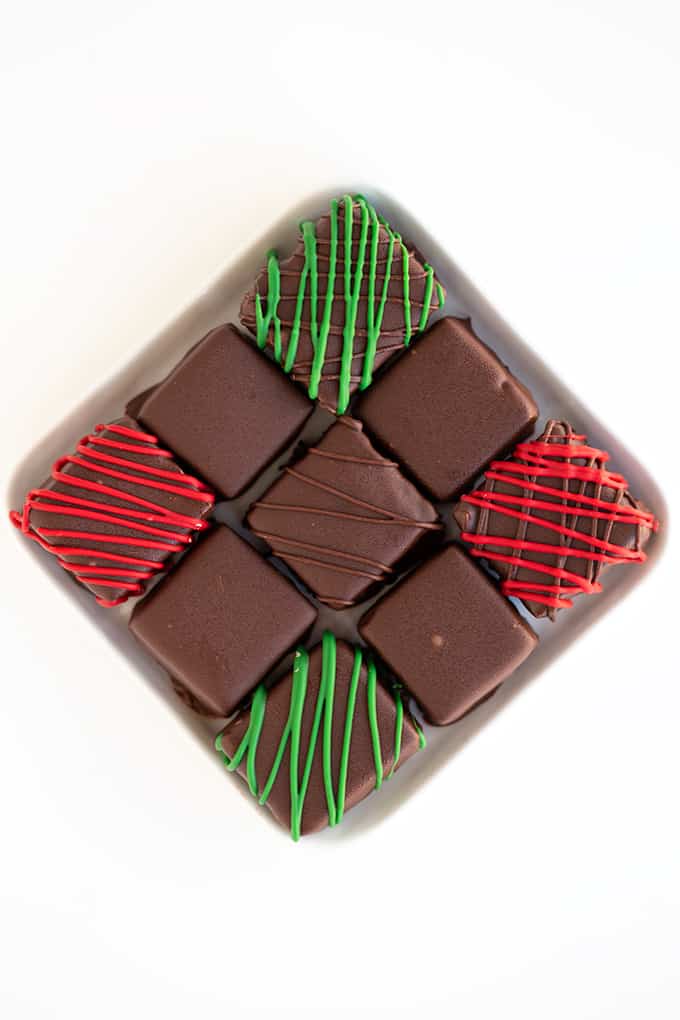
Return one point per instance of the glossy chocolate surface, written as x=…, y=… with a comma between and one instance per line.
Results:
x=342, y=517
x=411, y=294
x=446, y=408
x=221, y=621
x=361, y=773
x=226, y=410
x=448, y=635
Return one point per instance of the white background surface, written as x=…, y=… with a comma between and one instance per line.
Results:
x=536, y=874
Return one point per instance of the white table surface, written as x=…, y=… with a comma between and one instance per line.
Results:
x=536, y=874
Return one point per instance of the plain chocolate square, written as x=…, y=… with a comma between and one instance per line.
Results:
x=221, y=621
x=343, y=516
x=367, y=763
x=226, y=410
x=448, y=635
x=447, y=407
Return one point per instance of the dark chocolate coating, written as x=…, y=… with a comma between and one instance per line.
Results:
x=447, y=407
x=392, y=335
x=346, y=522
x=448, y=634
x=361, y=775
x=226, y=410
x=476, y=520
x=41, y=520
x=221, y=621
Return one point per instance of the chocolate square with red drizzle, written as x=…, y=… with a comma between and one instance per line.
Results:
x=342, y=517
x=550, y=519
x=115, y=511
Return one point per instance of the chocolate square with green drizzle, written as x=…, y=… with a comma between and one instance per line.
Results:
x=350, y=296
x=320, y=740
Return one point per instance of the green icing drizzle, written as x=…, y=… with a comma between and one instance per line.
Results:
x=264, y=320
x=427, y=297
x=322, y=725
x=374, y=320
x=352, y=292
x=407, y=293
x=267, y=318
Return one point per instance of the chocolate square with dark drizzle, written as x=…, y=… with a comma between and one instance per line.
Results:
x=343, y=517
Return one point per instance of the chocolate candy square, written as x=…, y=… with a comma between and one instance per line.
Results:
x=448, y=635
x=551, y=518
x=343, y=517
x=447, y=407
x=226, y=410
x=116, y=511
x=221, y=621
x=321, y=739
x=351, y=294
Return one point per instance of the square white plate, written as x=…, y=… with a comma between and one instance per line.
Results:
x=220, y=302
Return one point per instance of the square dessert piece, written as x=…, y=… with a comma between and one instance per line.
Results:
x=350, y=295
x=551, y=518
x=226, y=410
x=343, y=516
x=321, y=739
x=116, y=511
x=448, y=635
x=221, y=621
x=447, y=407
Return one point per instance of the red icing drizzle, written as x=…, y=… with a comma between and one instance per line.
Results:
x=555, y=461
x=143, y=516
